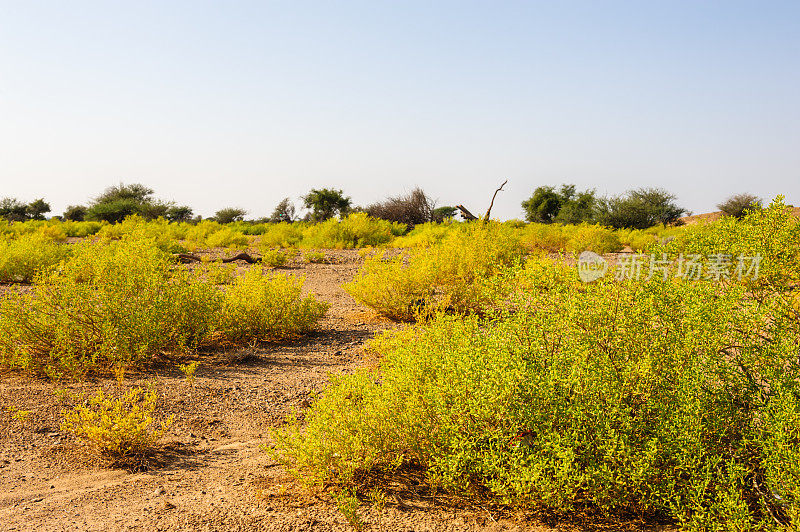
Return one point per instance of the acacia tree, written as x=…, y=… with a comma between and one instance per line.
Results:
x=37, y=209
x=738, y=205
x=639, y=209
x=326, y=203
x=229, y=214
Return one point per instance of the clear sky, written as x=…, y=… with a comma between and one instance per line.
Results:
x=218, y=104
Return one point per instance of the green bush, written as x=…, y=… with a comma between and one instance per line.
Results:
x=274, y=258
x=591, y=237
x=444, y=276
x=119, y=304
x=654, y=398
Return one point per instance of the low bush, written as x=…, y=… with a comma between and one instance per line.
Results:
x=119, y=304
x=661, y=398
x=314, y=257
x=355, y=231
x=22, y=257
x=261, y=308
x=592, y=238
x=120, y=429
x=423, y=235
x=227, y=238
x=274, y=258
x=444, y=276
x=283, y=234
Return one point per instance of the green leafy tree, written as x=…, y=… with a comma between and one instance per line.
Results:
x=326, y=203
x=542, y=206
x=284, y=211
x=576, y=207
x=120, y=201
x=179, y=213
x=639, y=209
x=440, y=214
x=37, y=209
x=738, y=205
x=229, y=214
x=13, y=210
x=75, y=213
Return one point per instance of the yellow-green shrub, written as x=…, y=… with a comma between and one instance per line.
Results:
x=118, y=304
x=259, y=307
x=424, y=235
x=281, y=234
x=443, y=276
x=22, y=257
x=665, y=398
x=227, y=238
x=120, y=429
x=274, y=258
x=592, y=238
x=355, y=231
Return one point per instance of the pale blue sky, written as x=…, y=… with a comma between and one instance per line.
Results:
x=217, y=104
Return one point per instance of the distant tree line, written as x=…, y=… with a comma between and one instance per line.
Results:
x=637, y=209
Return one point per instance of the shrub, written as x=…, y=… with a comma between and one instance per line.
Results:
x=258, y=307
x=411, y=209
x=75, y=213
x=443, y=276
x=314, y=257
x=80, y=229
x=227, y=238
x=21, y=258
x=274, y=258
x=120, y=304
x=285, y=235
x=738, y=205
x=119, y=429
x=424, y=235
x=654, y=398
x=355, y=231
x=593, y=238
x=547, y=237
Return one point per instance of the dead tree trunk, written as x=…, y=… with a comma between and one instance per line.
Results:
x=465, y=213
x=489, y=210
x=188, y=258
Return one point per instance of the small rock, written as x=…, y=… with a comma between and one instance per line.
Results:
x=159, y=491
x=167, y=505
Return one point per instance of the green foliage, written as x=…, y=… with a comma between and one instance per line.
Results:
x=440, y=214
x=189, y=370
x=37, y=209
x=639, y=209
x=355, y=231
x=22, y=257
x=284, y=212
x=542, y=206
x=444, y=276
x=663, y=398
x=738, y=205
x=120, y=429
x=178, y=213
x=326, y=203
x=772, y=233
x=118, y=304
x=564, y=205
x=13, y=210
x=75, y=213
x=229, y=214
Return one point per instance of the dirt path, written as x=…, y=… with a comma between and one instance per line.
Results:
x=212, y=473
